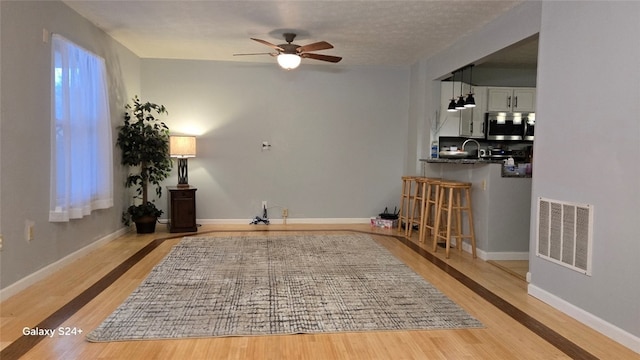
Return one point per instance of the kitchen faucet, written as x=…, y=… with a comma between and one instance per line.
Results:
x=477, y=145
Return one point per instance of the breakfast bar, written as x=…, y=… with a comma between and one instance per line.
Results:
x=501, y=204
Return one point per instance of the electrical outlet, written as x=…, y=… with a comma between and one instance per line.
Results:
x=285, y=212
x=29, y=230
x=484, y=185
x=1, y=242
x=264, y=204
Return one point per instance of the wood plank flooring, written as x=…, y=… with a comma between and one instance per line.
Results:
x=517, y=268
x=85, y=292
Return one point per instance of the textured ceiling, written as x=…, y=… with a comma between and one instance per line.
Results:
x=362, y=32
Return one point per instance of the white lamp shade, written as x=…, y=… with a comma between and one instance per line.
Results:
x=182, y=146
x=289, y=61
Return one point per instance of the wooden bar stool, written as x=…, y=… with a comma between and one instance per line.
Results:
x=417, y=205
x=429, y=207
x=405, y=203
x=450, y=204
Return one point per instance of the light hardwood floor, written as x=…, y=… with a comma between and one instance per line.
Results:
x=517, y=268
x=502, y=338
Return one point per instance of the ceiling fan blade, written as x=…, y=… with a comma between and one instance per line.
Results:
x=329, y=58
x=266, y=53
x=268, y=44
x=321, y=45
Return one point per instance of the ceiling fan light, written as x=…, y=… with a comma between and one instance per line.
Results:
x=452, y=106
x=470, y=102
x=460, y=103
x=289, y=61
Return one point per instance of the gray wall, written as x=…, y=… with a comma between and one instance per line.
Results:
x=587, y=149
x=25, y=134
x=337, y=133
x=493, y=76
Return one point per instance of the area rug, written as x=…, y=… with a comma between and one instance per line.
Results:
x=264, y=285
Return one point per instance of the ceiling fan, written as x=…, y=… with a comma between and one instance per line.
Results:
x=290, y=55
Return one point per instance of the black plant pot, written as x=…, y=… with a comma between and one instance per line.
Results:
x=146, y=225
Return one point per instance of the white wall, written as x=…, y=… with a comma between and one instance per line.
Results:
x=587, y=147
x=338, y=135
x=25, y=134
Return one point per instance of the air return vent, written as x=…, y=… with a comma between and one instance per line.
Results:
x=564, y=234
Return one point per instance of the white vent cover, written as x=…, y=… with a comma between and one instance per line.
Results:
x=565, y=233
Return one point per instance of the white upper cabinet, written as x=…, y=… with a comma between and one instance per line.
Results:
x=472, y=125
x=511, y=99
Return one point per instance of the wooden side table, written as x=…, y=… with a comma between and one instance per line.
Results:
x=182, y=209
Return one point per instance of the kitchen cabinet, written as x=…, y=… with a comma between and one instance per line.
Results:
x=473, y=126
x=511, y=99
x=449, y=122
x=182, y=209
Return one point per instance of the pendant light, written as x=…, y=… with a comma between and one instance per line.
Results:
x=460, y=103
x=452, y=104
x=470, y=102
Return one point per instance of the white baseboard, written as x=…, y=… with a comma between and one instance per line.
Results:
x=41, y=274
x=466, y=247
x=289, y=221
x=484, y=255
x=619, y=335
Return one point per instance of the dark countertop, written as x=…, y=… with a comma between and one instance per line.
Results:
x=461, y=161
x=477, y=161
x=518, y=176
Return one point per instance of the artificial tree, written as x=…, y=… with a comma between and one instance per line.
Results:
x=144, y=141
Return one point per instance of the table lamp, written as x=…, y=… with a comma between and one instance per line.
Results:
x=182, y=148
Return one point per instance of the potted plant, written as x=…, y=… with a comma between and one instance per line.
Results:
x=144, y=141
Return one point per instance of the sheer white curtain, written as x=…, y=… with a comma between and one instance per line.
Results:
x=81, y=145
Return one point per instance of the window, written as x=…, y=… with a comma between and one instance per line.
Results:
x=81, y=146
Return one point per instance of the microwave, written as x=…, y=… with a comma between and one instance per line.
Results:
x=509, y=126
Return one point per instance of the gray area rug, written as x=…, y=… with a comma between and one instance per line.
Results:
x=249, y=285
